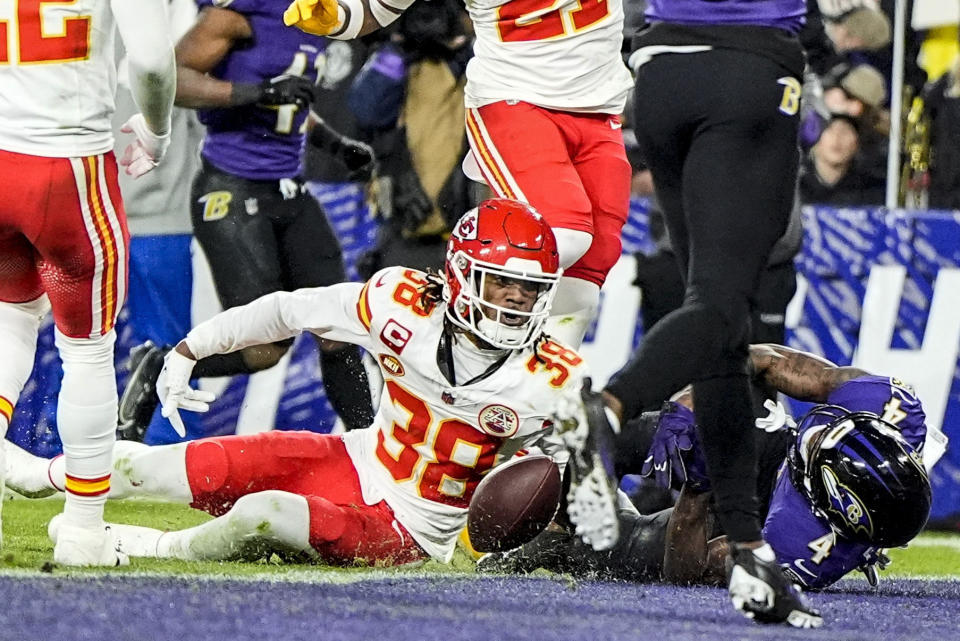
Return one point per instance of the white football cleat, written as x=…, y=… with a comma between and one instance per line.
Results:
x=592, y=498
x=762, y=592
x=84, y=547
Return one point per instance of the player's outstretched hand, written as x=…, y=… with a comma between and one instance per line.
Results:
x=147, y=148
x=319, y=17
x=287, y=89
x=173, y=388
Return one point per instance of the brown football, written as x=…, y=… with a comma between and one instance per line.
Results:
x=514, y=503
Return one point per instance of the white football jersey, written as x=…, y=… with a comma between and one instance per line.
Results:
x=559, y=54
x=431, y=442
x=57, y=77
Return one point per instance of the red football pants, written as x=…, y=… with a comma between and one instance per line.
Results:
x=572, y=167
x=63, y=231
x=343, y=529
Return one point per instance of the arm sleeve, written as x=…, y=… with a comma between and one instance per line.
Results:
x=329, y=312
x=145, y=30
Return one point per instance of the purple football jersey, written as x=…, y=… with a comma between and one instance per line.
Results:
x=261, y=143
x=804, y=543
x=783, y=14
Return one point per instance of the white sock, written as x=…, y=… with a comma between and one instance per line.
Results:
x=269, y=521
x=135, y=540
x=19, y=326
x=765, y=553
x=159, y=471
x=86, y=420
x=138, y=470
x=574, y=308
x=27, y=474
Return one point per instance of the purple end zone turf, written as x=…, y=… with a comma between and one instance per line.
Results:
x=445, y=609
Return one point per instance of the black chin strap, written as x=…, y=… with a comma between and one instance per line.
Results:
x=446, y=364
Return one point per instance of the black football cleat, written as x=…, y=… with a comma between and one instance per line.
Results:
x=763, y=592
x=549, y=550
x=139, y=399
x=592, y=499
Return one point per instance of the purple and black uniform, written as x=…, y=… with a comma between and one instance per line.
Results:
x=805, y=545
x=259, y=228
x=784, y=14
x=255, y=142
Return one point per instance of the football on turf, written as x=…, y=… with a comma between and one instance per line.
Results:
x=514, y=503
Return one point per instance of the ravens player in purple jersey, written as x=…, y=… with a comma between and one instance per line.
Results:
x=845, y=484
x=252, y=81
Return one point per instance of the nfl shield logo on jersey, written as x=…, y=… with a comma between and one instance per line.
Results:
x=499, y=421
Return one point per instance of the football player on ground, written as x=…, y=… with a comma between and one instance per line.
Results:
x=252, y=82
x=544, y=92
x=470, y=378
x=845, y=484
x=63, y=230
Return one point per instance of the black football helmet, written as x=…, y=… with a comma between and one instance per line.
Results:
x=862, y=476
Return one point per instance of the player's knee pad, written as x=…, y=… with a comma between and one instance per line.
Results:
x=327, y=520
x=572, y=244
x=207, y=465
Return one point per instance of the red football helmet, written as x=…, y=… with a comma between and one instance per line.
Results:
x=509, y=242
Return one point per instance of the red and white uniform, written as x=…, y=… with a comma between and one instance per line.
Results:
x=62, y=225
x=431, y=442
x=58, y=76
x=557, y=54
x=544, y=92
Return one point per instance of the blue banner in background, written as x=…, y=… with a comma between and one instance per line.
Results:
x=877, y=289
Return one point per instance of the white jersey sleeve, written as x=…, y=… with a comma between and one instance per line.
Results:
x=558, y=54
x=144, y=27
x=331, y=312
x=432, y=441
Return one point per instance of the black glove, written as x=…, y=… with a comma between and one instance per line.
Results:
x=280, y=90
x=358, y=157
x=287, y=90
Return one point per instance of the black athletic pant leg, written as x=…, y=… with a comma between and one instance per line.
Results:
x=722, y=120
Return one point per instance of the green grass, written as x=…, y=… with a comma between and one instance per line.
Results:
x=931, y=555
x=26, y=548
